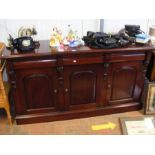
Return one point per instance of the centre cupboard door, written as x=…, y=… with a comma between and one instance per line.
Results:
x=82, y=86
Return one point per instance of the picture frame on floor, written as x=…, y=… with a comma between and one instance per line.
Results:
x=138, y=125
x=149, y=107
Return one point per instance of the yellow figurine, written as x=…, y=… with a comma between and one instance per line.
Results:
x=56, y=38
x=71, y=40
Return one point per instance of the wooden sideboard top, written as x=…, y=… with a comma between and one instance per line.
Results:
x=46, y=50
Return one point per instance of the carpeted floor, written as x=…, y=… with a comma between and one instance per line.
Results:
x=67, y=127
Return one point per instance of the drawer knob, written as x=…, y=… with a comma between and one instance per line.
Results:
x=66, y=90
x=55, y=91
x=74, y=61
x=109, y=86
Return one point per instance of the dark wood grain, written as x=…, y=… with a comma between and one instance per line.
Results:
x=35, y=89
x=83, y=84
x=49, y=85
x=126, y=84
x=151, y=68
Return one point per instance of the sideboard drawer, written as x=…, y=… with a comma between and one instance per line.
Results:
x=82, y=60
x=126, y=57
x=35, y=64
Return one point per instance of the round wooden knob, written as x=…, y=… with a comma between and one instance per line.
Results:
x=55, y=91
x=66, y=90
x=109, y=86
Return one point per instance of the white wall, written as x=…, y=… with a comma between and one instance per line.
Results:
x=114, y=25
x=44, y=27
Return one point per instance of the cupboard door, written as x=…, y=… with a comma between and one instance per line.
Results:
x=82, y=86
x=125, y=82
x=37, y=90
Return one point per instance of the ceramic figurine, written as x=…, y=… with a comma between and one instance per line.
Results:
x=72, y=35
x=65, y=42
x=56, y=38
x=54, y=42
x=76, y=43
x=73, y=39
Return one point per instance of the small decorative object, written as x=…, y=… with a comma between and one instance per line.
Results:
x=72, y=39
x=10, y=45
x=29, y=32
x=152, y=35
x=142, y=38
x=65, y=42
x=56, y=37
x=138, y=125
x=150, y=99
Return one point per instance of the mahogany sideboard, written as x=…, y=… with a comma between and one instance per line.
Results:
x=51, y=85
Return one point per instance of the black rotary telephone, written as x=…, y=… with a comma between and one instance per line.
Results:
x=24, y=43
